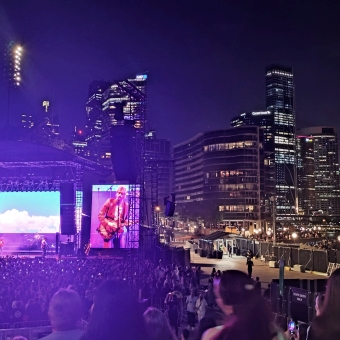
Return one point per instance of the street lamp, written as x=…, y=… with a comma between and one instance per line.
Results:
x=294, y=236
x=157, y=210
x=273, y=199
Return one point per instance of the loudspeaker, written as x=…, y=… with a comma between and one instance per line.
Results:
x=67, y=221
x=169, y=209
x=66, y=193
x=57, y=241
x=122, y=152
x=67, y=248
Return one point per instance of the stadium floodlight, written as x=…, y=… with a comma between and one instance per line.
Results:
x=13, y=63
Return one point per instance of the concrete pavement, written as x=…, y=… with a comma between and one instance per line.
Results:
x=260, y=268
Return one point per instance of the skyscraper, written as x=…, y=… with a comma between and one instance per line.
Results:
x=110, y=106
x=94, y=118
x=326, y=168
x=158, y=170
x=280, y=100
x=278, y=124
x=305, y=174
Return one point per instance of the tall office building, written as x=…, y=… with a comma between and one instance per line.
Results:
x=158, y=176
x=265, y=120
x=116, y=111
x=326, y=168
x=280, y=100
x=219, y=177
x=278, y=123
x=94, y=118
x=305, y=174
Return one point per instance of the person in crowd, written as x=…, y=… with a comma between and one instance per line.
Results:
x=172, y=303
x=230, y=252
x=326, y=325
x=319, y=302
x=43, y=246
x=250, y=265
x=201, y=307
x=17, y=312
x=191, y=309
x=210, y=293
x=185, y=334
x=157, y=326
x=65, y=314
x=116, y=314
x=302, y=331
x=2, y=243
x=248, y=316
x=203, y=325
x=266, y=293
x=257, y=285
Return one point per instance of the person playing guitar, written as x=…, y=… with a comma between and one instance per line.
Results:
x=113, y=218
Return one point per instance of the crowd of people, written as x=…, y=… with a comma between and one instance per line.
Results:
x=102, y=292
x=325, y=244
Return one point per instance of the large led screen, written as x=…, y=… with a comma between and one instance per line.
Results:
x=27, y=216
x=115, y=216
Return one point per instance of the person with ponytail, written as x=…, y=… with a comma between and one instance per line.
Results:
x=247, y=314
x=326, y=324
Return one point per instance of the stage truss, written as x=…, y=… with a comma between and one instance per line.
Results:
x=32, y=173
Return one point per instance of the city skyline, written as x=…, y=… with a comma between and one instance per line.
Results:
x=205, y=61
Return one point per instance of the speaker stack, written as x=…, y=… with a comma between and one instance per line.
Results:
x=67, y=209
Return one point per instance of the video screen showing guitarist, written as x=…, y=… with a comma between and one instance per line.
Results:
x=113, y=218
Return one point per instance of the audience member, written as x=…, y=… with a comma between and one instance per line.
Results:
x=191, y=309
x=203, y=325
x=116, y=314
x=157, y=326
x=319, y=302
x=201, y=307
x=185, y=334
x=248, y=315
x=326, y=325
x=257, y=285
x=65, y=314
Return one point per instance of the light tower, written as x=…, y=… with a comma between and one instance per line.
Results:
x=13, y=57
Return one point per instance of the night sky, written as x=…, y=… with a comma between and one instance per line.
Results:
x=205, y=59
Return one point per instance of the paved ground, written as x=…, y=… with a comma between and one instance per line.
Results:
x=260, y=268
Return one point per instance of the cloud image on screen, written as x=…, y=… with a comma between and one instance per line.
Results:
x=29, y=212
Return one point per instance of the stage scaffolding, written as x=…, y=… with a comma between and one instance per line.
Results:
x=34, y=167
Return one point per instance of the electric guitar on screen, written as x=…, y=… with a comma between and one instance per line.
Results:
x=110, y=228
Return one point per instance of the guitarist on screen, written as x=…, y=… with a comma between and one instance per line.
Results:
x=113, y=218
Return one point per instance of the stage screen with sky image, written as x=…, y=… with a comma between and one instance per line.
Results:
x=115, y=216
x=25, y=217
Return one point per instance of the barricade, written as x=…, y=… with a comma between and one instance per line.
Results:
x=320, y=260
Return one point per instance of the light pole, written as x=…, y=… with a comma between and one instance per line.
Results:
x=13, y=71
x=273, y=199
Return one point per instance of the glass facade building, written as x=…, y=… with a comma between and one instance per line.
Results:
x=305, y=171
x=109, y=105
x=326, y=168
x=219, y=176
x=278, y=124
